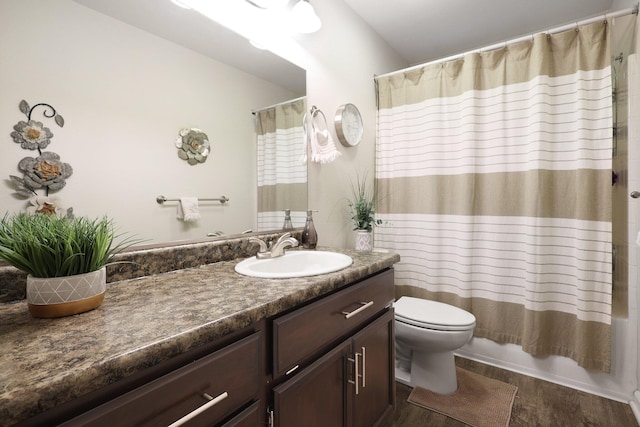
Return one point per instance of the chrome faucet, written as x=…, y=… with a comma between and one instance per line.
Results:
x=276, y=249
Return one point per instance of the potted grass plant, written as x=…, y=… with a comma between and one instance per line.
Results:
x=64, y=258
x=362, y=211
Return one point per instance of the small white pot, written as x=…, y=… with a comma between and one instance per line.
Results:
x=64, y=296
x=364, y=240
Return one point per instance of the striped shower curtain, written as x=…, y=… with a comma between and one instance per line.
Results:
x=282, y=178
x=494, y=174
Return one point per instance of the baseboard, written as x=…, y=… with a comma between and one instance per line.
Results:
x=635, y=405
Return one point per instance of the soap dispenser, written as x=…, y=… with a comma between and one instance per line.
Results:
x=309, y=237
x=287, y=221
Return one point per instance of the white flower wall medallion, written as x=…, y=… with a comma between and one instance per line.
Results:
x=45, y=171
x=193, y=145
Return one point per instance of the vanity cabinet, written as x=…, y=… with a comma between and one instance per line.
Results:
x=337, y=359
x=202, y=393
x=325, y=362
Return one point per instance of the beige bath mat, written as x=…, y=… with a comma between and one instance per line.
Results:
x=479, y=401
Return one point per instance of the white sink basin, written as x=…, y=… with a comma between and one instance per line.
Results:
x=294, y=264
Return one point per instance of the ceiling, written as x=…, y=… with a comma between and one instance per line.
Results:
x=425, y=30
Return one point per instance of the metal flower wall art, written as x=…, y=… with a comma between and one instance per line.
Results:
x=43, y=172
x=193, y=145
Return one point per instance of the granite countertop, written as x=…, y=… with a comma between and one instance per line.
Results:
x=143, y=321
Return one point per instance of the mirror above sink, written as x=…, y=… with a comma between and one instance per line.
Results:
x=190, y=29
x=128, y=75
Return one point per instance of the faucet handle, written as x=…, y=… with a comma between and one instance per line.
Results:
x=263, y=245
x=284, y=236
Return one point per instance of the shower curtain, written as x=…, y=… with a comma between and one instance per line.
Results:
x=282, y=178
x=493, y=173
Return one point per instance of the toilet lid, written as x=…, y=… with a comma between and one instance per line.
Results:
x=432, y=314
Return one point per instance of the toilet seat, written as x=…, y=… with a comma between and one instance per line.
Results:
x=432, y=315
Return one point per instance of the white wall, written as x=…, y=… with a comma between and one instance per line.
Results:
x=634, y=211
x=343, y=58
x=125, y=94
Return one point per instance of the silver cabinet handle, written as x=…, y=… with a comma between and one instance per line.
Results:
x=365, y=305
x=356, y=374
x=635, y=194
x=364, y=367
x=212, y=402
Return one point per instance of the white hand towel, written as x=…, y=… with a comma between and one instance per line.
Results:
x=325, y=148
x=188, y=210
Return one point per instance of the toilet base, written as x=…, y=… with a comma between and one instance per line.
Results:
x=432, y=371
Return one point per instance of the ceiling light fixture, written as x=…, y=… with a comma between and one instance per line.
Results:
x=268, y=4
x=272, y=29
x=304, y=17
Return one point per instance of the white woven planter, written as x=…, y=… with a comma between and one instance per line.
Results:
x=364, y=241
x=64, y=296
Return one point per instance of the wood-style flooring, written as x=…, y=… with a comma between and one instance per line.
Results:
x=537, y=403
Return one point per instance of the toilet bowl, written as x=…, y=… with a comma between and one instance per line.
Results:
x=427, y=334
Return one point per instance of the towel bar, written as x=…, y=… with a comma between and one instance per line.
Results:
x=222, y=199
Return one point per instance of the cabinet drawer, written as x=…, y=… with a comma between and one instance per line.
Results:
x=304, y=333
x=234, y=370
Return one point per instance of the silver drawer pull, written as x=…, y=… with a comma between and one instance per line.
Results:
x=212, y=402
x=365, y=305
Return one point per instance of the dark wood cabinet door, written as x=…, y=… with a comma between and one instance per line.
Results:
x=250, y=417
x=316, y=396
x=375, y=348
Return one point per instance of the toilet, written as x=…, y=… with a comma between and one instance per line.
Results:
x=427, y=334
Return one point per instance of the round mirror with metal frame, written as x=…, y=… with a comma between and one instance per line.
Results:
x=348, y=123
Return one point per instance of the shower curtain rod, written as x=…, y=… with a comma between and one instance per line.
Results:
x=623, y=12
x=254, y=112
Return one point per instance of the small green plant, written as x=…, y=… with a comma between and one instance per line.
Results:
x=362, y=206
x=49, y=246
